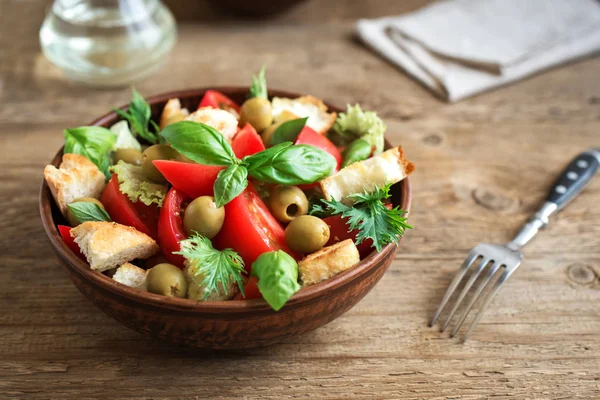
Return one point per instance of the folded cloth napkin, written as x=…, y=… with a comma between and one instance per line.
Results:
x=459, y=48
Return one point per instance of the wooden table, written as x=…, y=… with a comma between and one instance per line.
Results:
x=483, y=165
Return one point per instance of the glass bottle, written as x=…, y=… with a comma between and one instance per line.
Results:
x=107, y=42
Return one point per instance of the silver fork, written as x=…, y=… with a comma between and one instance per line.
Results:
x=570, y=183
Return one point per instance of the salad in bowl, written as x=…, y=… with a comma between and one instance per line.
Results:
x=228, y=201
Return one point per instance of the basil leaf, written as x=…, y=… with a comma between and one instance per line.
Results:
x=277, y=274
x=199, y=142
x=87, y=211
x=288, y=131
x=358, y=150
x=139, y=115
x=92, y=142
x=289, y=164
x=230, y=183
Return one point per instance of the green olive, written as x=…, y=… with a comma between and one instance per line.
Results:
x=157, y=152
x=258, y=112
x=168, y=280
x=287, y=203
x=204, y=217
x=130, y=156
x=307, y=234
x=71, y=218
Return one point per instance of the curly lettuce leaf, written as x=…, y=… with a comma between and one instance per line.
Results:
x=356, y=123
x=125, y=139
x=133, y=183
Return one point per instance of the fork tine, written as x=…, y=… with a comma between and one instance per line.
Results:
x=455, y=281
x=464, y=291
x=480, y=289
x=487, y=301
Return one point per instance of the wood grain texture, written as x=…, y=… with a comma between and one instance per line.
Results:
x=483, y=165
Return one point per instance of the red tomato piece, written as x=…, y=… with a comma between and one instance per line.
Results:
x=170, y=227
x=123, y=211
x=250, y=229
x=194, y=180
x=338, y=231
x=65, y=232
x=313, y=138
x=250, y=290
x=215, y=99
x=247, y=142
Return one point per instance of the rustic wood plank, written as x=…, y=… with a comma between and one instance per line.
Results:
x=483, y=165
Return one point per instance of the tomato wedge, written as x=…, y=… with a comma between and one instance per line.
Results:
x=338, y=231
x=123, y=211
x=250, y=229
x=250, y=290
x=65, y=232
x=313, y=138
x=194, y=180
x=170, y=227
x=215, y=99
x=247, y=142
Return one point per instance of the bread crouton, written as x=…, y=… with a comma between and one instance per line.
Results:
x=107, y=245
x=196, y=290
x=131, y=275
x=327, y=262
x=172, y=112
x=306, y=106
x=223, y=121
x=76, y=177
x=388, y=167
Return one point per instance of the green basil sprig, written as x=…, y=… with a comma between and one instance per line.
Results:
x=92, y=142
x=284, y=163
x=277, y=274
x=139, y=116
x=288, y=131
x=358, y=150
x=87, y=211
x=290, y=164
x=230, y=183
x=199, y=142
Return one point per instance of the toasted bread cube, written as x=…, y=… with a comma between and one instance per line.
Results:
x=107, y=245
x=327, y=262
x=223, y=121
x=132, y=276
x=76, y=177
x=388, y=167
x=172, y=112
x=306, y=106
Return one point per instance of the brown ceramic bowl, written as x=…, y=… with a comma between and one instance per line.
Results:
x=218, y=324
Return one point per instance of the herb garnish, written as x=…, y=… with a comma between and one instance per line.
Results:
x=284, y=164
x=288, y=131
x=277, y=274
x=139, y=115
x=258, y=88
x=369, y=216
x=92, y=142
x=218, y=268
x=84, y=211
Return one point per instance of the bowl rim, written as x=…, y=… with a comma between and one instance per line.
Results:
x=305, y=295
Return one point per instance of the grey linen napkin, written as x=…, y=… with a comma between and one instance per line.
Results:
x=458, y=48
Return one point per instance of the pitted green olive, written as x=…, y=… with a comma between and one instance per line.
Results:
x=287, y=203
